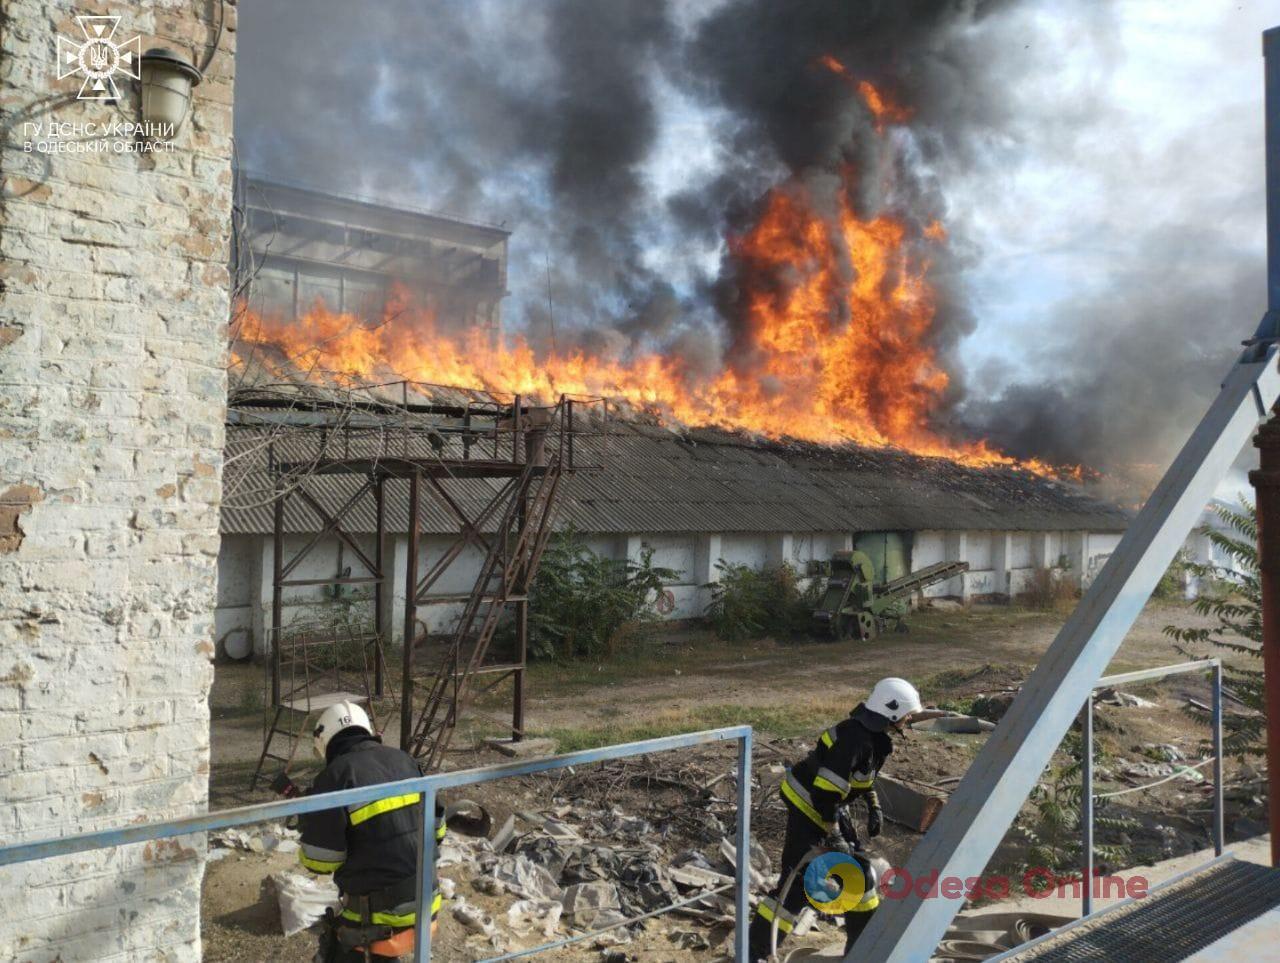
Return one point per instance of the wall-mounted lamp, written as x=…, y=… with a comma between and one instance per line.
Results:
x=167, y=79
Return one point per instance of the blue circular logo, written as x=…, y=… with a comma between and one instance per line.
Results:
x=834, y=883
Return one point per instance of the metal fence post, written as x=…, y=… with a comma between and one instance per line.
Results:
x=743, y=879
x=1218, y=836
x=1086, y=806
x=426, y=876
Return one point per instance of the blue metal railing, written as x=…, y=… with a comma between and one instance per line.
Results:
x=1086, y=768
x=429, y=786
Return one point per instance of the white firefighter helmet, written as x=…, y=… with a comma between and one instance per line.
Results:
x=339, y=716
x=894, y=698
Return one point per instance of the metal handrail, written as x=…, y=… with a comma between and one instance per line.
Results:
x=429, y=786
x=1086, y=767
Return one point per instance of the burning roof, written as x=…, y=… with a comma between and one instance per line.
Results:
x=658, y=480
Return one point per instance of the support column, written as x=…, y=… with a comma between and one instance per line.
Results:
x=709, y=552
x=380, y=621
x=705, y=574
x=1001, y=554
x=632, y=548
x=410, y=616
x=957, y=550
x=395, y=562
x=260, y=595
x=522, y=608
x=1266, y=482
x=779, y=549
x=1042, y=550
x=277, y=593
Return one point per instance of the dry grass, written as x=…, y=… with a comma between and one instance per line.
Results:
x=1049, y=591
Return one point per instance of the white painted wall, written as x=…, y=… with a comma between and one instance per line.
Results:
x=237, y=570
x=1100, y=546
x=1000, y=563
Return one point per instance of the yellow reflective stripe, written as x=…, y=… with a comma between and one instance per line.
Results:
x=382, y=806
x=867, y=905
x=821, y=783
x=827, y=740
x=440, y=830
x=862, y=783
x=394, y=919
x=802, y=803
x=318, y=865
x=766, y=910
x=826, y=779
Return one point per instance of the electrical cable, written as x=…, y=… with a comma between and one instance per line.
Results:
x=1180, y=771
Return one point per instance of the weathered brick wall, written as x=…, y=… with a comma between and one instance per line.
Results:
x=113, y=311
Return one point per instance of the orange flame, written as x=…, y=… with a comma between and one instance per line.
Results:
x=884, y=110
x=835, y=317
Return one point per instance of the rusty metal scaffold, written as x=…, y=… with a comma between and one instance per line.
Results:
x=495, y=467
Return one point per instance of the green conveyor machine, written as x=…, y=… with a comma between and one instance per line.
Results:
x=856, y=606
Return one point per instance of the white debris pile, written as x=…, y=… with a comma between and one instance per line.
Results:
x=270, y=838
x=303, y=899
x=576, y=868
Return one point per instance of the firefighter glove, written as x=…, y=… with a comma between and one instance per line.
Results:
x=875, y=822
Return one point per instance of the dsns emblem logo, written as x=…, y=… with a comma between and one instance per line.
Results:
x=835, y=883
x=98, y=57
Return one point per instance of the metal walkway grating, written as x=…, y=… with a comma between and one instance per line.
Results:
x=1170, y=924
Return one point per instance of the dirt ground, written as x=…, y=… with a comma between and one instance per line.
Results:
x=685, y=679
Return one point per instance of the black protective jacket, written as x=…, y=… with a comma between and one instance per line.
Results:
x=370, y=847
x=842, y=766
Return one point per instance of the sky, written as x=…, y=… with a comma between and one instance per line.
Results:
x=1098, y=166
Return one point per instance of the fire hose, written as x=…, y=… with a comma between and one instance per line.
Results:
x=814, y=852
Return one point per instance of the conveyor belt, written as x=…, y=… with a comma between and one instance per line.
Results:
x=1170, y=924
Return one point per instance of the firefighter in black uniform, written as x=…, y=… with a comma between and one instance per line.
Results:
x=842, y=768
x=371, y=848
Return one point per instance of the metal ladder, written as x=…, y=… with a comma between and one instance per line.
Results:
x=505, y=577
x=291, y=712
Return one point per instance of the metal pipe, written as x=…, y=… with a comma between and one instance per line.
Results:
x=264, y=812
x=379, y=591
x=1160, y=672
x=277, y=589
x=410, y=618
x=743, y=847
x=1218, y=836
x=1266, y=483
x=1271, y=59
x=1086, y=805
x=426, y=877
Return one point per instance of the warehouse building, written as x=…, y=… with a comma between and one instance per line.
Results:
x=697, y=497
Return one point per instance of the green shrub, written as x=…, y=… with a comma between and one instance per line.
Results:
x=1172, y=584
x=750, y=603
x=1053, y=831
x=582, y=603
x=1238, y=612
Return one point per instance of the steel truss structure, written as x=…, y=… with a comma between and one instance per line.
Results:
x=496, y=468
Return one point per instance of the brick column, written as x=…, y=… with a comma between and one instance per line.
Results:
x=113, y=325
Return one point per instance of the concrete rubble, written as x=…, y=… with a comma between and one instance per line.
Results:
x=270, y=838
x=576, y=868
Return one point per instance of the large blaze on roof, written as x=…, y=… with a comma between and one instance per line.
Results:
x=657, y=480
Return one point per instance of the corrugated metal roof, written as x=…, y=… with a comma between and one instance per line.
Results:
x=656, y=481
